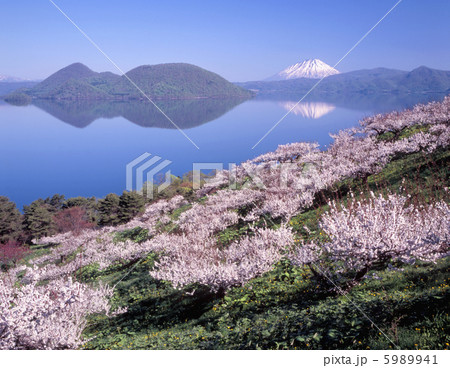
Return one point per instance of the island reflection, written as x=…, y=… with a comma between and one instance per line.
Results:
x=184, y=113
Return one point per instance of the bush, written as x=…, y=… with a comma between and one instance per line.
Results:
x=138, y=235
x=11, y=252
x=74, y=219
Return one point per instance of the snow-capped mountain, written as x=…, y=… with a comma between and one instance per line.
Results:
x=312, y=68
x=7, y=78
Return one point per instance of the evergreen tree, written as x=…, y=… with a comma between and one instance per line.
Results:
x=56, y=202
x=10, y=221
x=109, y=210
x=38, y=219
x=88, y=204
x=130, y=205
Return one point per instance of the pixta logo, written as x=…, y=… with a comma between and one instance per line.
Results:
x=142, y=172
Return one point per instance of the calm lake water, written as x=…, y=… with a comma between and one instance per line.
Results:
x=81, y=149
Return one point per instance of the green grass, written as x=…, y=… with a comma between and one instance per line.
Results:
x=284, y=309
x=137, y=235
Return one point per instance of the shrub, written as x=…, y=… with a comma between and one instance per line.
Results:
x=11, y=252
x=72, y=219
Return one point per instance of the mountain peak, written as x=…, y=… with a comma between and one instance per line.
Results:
x=8, y=78
x=72, y=71
x=78, y=68
x=421, y=69
x=311, y=68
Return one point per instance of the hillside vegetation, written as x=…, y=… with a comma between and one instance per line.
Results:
x=339, y=249
x=163, y=81
x=369, y=82
x=8, y=87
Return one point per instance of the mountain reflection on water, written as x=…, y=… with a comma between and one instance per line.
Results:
x=62, y=158
x=192, y=113
x=184, y=113
x=310, y=110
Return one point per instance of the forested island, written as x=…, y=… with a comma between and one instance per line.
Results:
x=162, y=81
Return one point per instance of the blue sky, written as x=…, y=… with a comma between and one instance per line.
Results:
x=241, y=40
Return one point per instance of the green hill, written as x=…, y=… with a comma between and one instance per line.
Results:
x=426, y=78
x=76, y=71
x=178, y=81
x=163, y=81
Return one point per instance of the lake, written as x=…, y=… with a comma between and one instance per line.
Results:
x=82, y=148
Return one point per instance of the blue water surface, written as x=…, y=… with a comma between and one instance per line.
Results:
x=83, y=150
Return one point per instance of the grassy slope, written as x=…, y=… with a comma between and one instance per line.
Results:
x=285, y=308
